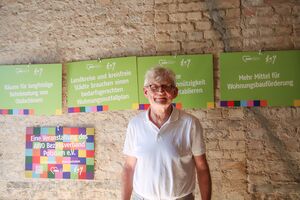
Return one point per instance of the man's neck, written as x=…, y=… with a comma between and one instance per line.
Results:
x=160, y=115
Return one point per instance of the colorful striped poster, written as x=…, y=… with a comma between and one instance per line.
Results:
x=59, y=153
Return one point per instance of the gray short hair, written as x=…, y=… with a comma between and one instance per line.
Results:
x=159, y=74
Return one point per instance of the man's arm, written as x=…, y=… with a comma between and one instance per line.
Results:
x=127, y=177
x=203, y=175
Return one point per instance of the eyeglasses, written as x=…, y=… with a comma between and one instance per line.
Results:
x=156, y=88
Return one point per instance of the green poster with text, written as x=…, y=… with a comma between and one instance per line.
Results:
x=194, y=78
x=99, y=85
x=269, y=78
x=31, y=89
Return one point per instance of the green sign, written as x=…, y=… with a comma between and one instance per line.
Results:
x=31, y=89
x=108, y=84
x=194, y=77
x=268, y=78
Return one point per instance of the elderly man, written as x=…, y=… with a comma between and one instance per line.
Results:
x=164, y=147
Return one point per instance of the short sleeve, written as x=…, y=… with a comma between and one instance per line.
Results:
x=128, y=148
x=198, y=144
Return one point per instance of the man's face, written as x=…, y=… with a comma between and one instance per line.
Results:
x=160, y=94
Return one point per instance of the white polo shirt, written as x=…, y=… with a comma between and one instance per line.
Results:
x=165, y=168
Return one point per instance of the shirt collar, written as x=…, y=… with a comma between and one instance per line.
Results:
x=173, y=117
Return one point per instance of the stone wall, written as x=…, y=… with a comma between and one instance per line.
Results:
x=254, y=153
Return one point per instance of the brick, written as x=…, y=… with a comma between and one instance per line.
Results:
x=297, y=31
x=178, y=17
x=203, y=25
x=252, y=3
x=162, y=37
x=279, y=177
x=227, y=155
x=233, y=13
x=234, y=186
x=234, y=45
x=237, y=135
x=195, y=45
x=105, y=2
x=195, y=36
x=288, y=188
x=223, y=124
x=255, y=145
x=265, y=31
x=292, y=145
x=285, y=112
x=257, y=155
x=187, y=27
x=192, y=6
x=221, y=4
x=258, y=179
x=163, y=1
x=278, y=42
x=232, y=23
x=148, y=18
x=290, y=19
x=250, y=32
x=194, y=16
x=161, y=17
x=283, y=30
x=212, y=145
x=173, y=8
x=295, y=155
x=214, y=14
x=180, y=36
x=207, y=124
x=236, y=195
x=251, y=42
x=168, y=46
x=214, y=165
x=167, y=27
x=216, y=134
x=235, y=174
x=264, y=11
x=283, y=9
x=215, y=175
x=296, y=10
x=295, y=112
x=226, y=165
x=236, y=145
x=215, y=154
x=214, y=114
x=200, y=114
x=220, y=45
x=234, y=32
x=236, y=114
x=264, y=188
x=248, y=11
x=161, y=7
x=273, y=20
x=255, y=167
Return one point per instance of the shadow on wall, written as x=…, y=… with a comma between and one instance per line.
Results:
x=218, y=23
x=290, y=164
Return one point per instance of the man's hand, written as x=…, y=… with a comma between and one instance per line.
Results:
x=127, y=177
x=203, y=175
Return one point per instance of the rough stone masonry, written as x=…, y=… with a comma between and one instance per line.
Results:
x=254, y=153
